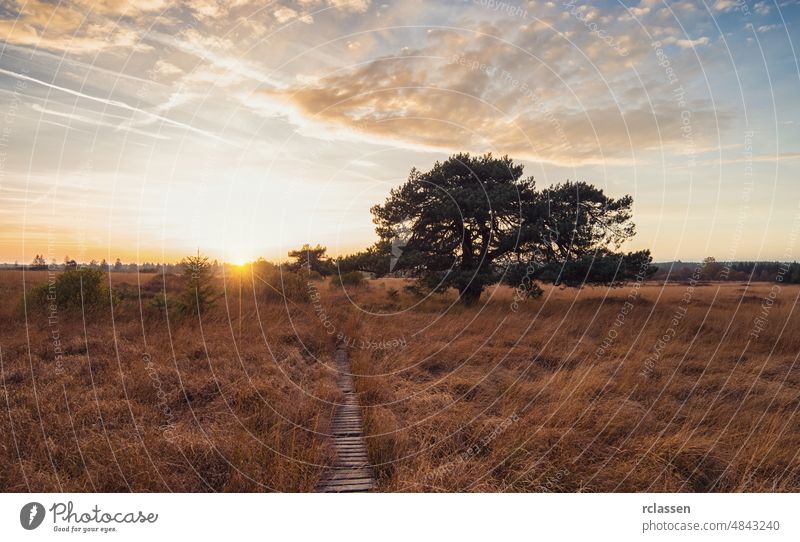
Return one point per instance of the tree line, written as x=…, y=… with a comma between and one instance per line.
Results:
x=744, y=271
x=40, y=263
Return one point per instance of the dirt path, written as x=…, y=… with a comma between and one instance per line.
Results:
x=351, y=471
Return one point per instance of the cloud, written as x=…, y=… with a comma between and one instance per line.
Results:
x=568, y=96
x=357, y=6
x=689, y=43
x=81, y=26
x=483, y=94
x=284, y=14
x=725, y=5
x=762, y=8
x=163, y=68
x=208, y=9
x=778, y=157
x=768, y=27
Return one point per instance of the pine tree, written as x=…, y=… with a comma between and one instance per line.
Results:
x=198, y=277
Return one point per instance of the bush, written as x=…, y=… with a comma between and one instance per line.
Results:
x=279, y=284
x=416, y=290
x=74, y=289
x=157, y=304
x=353, y=279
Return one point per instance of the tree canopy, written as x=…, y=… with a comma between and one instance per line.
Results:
x=472, y=221
x=311, y=259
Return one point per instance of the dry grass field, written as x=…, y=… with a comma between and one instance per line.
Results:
x=559, y=396
x=682, y=388
x=147, y=404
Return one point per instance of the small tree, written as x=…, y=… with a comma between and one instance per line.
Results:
x=198, y=277
x=710, y=268
x=39, y=262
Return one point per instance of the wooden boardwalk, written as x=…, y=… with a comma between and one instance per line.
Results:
x=351, y=471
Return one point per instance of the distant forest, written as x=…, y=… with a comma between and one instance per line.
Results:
x=708, y=270
x=39, y=263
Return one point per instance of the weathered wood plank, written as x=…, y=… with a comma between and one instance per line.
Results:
x=351, y=471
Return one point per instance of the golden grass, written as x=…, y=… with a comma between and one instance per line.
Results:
x=149, y=405
x=488, y=399
x=455, y=399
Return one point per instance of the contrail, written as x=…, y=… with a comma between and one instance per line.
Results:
x=116, y=103
x=94, y=122
x=26, y=50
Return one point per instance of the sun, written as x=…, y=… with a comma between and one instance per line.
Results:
x=240, y=256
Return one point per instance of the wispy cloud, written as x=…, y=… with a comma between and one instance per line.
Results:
x=118, y=104
x=74, y=117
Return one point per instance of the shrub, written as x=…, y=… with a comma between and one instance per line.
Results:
x=354, y=279
x=157, y=304
x=126, y=291
x=415, y=290
x=74, y=289
x=279, y=284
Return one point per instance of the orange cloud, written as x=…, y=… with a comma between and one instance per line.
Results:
x=80, y=26
x=485, y=94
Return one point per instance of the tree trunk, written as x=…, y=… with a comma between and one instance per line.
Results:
x=469, y=295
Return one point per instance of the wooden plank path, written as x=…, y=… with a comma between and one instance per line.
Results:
x=351, y=471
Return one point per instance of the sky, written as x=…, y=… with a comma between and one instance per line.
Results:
x=144, y=131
